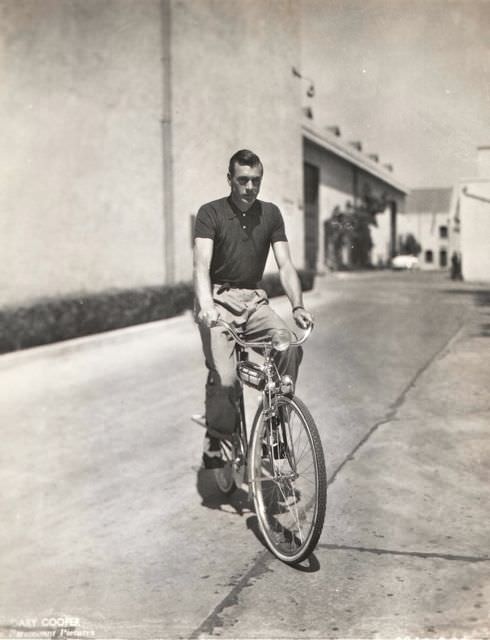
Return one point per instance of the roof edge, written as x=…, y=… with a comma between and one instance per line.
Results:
x=341, y=149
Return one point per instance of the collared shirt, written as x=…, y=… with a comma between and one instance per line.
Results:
x=241, y=240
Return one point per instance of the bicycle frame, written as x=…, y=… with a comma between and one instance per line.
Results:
x=271, y=385
x=283, y=462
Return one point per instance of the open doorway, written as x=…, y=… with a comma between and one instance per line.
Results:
x=311, y=180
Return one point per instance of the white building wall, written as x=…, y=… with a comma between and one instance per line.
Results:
x=233, y=88
x=80, y=156
x=335, y=189
x=380, y=235
x=339, y=181
x=483, y=161
x=425, y=227
x=122, y=116
x=475, y=229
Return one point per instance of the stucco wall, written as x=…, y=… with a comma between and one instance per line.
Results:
x=80, y=157
x=335, y=188
x=336, y=179
x=475, y=229
x=425, y=228
x=233, y=88
x=339, y=180
x=381, y=238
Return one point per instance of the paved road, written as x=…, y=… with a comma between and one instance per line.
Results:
x=108, y=525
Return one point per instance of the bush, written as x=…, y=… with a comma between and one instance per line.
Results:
x=53, y=320
x=271, y=283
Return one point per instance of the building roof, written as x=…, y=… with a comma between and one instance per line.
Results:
x=429, y=200
x=328, y=140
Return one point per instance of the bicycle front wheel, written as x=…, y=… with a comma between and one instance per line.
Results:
x=288, y=479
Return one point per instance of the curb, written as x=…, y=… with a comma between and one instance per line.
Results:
x=313, y=298
x=96, y=339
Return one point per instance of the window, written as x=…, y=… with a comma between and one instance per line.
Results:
x=429, y=257
x=443, y=231
x=443, y=258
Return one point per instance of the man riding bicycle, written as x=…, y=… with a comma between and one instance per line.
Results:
x=232, y=238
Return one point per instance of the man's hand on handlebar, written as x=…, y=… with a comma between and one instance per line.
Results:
x=302, y=318
x=209, y=316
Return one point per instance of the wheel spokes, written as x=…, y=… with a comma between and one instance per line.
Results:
x=287, y=486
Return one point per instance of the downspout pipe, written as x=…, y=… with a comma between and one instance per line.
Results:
x=167, y=144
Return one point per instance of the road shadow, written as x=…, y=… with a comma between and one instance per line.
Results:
x=482, y=298
x=485, y=330
x=479, y=298
x=238, y=503
x=310, y=565
x=212, y=498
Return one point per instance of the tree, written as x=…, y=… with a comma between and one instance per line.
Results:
x=348, y=237
x=409, y=245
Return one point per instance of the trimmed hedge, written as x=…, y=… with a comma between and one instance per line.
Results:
x=272, y=284
x=53, y=320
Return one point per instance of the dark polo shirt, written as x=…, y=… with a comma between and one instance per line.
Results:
x=241, y=240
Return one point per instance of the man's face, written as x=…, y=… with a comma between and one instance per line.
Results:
x=245, y=185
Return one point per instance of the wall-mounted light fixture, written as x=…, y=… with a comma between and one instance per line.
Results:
x=465, y=191
x=310, y=92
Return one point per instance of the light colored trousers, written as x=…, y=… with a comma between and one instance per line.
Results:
x=249, y=310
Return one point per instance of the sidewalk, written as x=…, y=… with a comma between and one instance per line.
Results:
x=405, y=552
x=430, y=458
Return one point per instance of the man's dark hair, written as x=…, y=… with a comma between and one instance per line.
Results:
x=244, y=158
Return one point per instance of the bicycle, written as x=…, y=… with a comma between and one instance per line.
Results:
x=283, y=461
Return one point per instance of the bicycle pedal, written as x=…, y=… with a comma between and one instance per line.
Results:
x=199, y=419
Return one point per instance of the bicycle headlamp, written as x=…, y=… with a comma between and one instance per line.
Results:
x=281, y=339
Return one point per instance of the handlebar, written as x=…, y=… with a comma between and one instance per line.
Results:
x=268, y=343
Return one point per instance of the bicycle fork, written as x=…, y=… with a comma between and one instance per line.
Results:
x=279, y=439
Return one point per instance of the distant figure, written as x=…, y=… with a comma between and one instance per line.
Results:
x=456, y=273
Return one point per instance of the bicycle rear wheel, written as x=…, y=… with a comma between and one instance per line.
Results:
x=224, y=476
x=288, y=480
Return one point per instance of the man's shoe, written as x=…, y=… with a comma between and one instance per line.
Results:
x=212, y=462
x=211, y=456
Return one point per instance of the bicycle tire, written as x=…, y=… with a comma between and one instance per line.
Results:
x=224, y=476
x=281, y=478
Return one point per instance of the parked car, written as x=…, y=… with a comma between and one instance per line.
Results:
x=405, y=262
